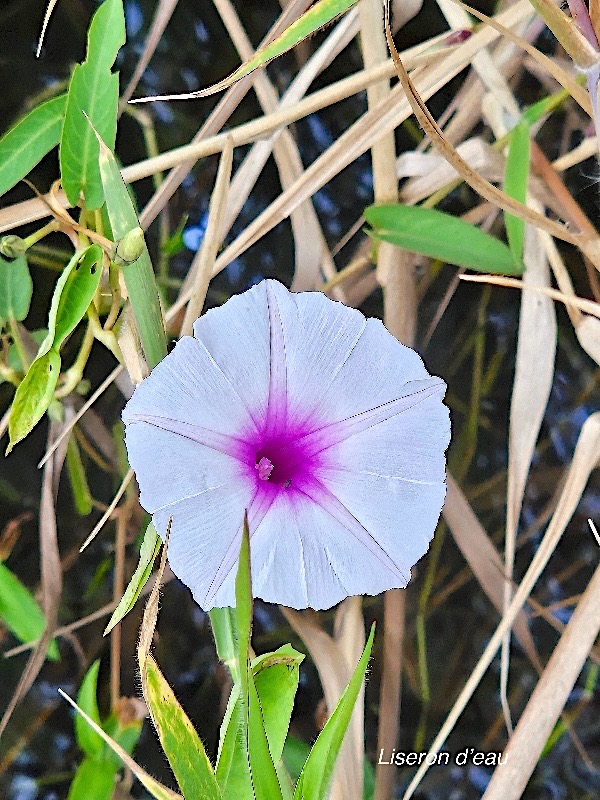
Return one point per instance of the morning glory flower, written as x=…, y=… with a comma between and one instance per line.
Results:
x=315, y=421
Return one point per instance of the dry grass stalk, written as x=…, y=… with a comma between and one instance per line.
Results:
x=51, y=572
x=536, y=349
x=585, y=459
x=548, y=699
x=162, y=15
x=204, y=260
x=335, y=659
x=482, y=557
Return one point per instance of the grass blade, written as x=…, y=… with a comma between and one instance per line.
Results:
x=438, y=235
x=516, y=178
x=138, y=273
x=316, y=774
x=148, y=552
x=321, y=14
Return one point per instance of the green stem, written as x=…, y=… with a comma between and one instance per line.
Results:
x=222, y=621
x=75, y=373
x=40, y=234
x=14, y=332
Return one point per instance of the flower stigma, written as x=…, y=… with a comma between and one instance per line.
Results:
x=265, y=468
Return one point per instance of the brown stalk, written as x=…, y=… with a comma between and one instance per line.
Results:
x=51, y=578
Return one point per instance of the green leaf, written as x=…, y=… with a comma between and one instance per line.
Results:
x=20, y=611
x=138, y=275
x=438, y=235
x=276, y=677
x=93, y=779
x=88, y=740
x=222, y=621
x=78, y=479
x=16, y=289
x=321, y=14
x=316, y=774
x=33, y=396
x=27, y=142
x=73, y=293
x=297, y=751
x=178, y=738
x=148, y=552
x=265, y=780
x=243, y=606
x=124, y=729
x=156, y=789
x=93, y=89
x=516, y=178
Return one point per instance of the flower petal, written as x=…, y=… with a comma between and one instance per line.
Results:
x=237, y=336
x=305, y=556
x=391, y=478
x=190, y=387
x=205, y=492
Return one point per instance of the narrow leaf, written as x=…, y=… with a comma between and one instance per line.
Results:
x=178, y=738
x=439, y=235
x=316, y=774
x=321, y=14
x=78, y=479
x=20, y=612
x=16, y=289
x=87, y=739
x=93, y=779
x=148, y=552
x=276, y=677
x=27, y=142
x=138, y=275
x=262, y=768
x=243, y=604
x=93, y=89
x=156, y=789
x=516, y=178
x=33, y=396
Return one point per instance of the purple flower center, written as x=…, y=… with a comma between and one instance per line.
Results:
x=285, y=459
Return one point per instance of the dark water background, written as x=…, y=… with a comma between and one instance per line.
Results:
x=194, y=52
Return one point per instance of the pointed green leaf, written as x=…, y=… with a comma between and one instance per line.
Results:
x=178, y=738
x=148, y=552
x=78, y=479
x=138, y=275
x=20, y=612
x=321, y=14
x=27, y=142
x=16, y=289
x=243, y=605
x=316, y=774
x=88, y=740
x=276, y=676
x=156, y=789
x=33, y=396
x=265, y=780
x=93, y=779
x=439, y=235
x=516, y=178
x=73, y=293
x=93, y=89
